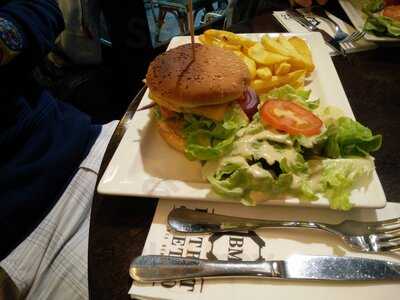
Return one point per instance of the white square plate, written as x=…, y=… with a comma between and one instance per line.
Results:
x=358, y=18
x=144, y=165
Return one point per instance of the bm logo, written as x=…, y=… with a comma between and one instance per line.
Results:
x=240, y=246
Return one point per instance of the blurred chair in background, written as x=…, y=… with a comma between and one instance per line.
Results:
x=80, y=41
x=222, y=12
x=179, y=9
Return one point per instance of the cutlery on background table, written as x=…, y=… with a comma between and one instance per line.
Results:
x=382, y=236
x=340, y=36
x=299, y=18
x=353, y=37
x=151, y=268
x=320, y=11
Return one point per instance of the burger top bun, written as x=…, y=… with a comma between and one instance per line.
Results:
x=215, y=76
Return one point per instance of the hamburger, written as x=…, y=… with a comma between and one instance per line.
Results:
x=196, y=109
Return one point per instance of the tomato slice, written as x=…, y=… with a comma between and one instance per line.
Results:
x=392, y=11
x=290, y=117
x=166, y=113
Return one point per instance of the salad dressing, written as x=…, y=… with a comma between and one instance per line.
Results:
x=257, y=146
x=258, y=172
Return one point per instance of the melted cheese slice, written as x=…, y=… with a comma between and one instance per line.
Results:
x=214, y=112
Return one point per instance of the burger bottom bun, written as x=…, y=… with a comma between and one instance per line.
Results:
x=170, y=132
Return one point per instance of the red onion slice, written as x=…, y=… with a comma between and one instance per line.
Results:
x=249, y=102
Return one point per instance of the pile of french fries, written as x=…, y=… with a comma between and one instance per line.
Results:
x=272, y=62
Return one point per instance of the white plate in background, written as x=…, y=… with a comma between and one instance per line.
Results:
x=358, y=18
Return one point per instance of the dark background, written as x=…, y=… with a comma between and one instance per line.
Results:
x=104, y=91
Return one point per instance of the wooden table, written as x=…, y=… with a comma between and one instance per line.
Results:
x=119, y=225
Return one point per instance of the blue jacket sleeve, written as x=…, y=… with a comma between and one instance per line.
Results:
x=40, y=22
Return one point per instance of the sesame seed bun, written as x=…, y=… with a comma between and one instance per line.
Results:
x=214, y=77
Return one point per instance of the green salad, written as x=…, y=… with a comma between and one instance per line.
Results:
x=252, y=161
x=376, y=23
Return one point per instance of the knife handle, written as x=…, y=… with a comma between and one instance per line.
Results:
x=152, y=268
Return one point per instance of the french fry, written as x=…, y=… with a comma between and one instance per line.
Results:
x=295, y=75
x=274, y=46
x=282, y=68
x=282, y=46
x=230, y=38
x=264, y=57
x=301, y=46
x=271, y=62
x=264, y=73
x=251, y=64
x=209, y=40
x=284, y=42
x=202, y=39
x=299, y=82
x=263, y=86
x=222, y=44
x=297, y=60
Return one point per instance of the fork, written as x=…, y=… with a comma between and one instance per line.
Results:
x=381, y=236
x=354, y=37
x=340, y=35
x=299, y=18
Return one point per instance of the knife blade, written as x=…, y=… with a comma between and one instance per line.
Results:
x=298, y=17
x=119, y=132
x=155, y=268
x=132, y=108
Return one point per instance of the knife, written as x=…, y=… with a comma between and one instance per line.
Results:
x=119, y=132
x=153, y=268
x=294, y=14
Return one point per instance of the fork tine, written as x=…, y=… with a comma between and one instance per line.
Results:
x=348, y=38
x=380, y=224
x=354, y=37
x=389, y=246
x=389, y=235
x=391, y=221
x=388, y=227
x=359, y=35
x=395, y=240
x=393, y=249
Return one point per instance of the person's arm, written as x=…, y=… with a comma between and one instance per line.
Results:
x=28, y=27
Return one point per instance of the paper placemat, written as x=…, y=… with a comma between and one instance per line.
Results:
x=260, y=244
x=292, y=26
